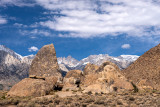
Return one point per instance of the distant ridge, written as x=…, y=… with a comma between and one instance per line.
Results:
x=70, y=63
x=11, y=52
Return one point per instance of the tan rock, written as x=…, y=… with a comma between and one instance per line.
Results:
x=31, y=87
x=89, y=79
x=96, y=88
x=45, y=63
x=145, y=71
x=143, y=86
x=106, y=79
x=90, y=69
x=52, y=81
x=72, y=80
x=74, y=73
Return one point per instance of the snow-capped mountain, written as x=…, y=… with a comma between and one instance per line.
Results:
x=29, y=56
x=9, y=51
x=69, y=61
x=122, y=61
x=13, y=67
x=128, y=57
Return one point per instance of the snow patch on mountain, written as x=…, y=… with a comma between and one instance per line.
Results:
x=129, y=57
x=12, y=53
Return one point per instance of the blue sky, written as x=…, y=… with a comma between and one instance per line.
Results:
x=80, y=27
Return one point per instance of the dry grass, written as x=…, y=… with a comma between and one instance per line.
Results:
x=86, y=100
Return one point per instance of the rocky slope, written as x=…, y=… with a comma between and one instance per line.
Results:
x=145, y=71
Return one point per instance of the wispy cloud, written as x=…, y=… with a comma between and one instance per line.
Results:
x=3, y=20
x=20, y=3
x=20, y=25
x=35, y=32
x=104, y=17
x=126, y=46
x=96, y=18
x=33, y=49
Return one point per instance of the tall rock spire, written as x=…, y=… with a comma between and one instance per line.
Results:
x=45, y=63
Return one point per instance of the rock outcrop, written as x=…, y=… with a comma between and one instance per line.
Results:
x=90, y=69
x=106, y=79
x=72, y=80
x=44, y=75
x=31, y=87
x=45, y=63
x=145, y=71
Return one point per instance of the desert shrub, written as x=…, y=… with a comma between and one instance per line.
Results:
x=135, y=87
x=89, y=93
x=76, y=104
x=89, y=100
x=30, y=104
x=154, y=91
x=3, y=97
x=131, y=98
x=79, y=89
x=15, y=101
x=67, y=89
x=84, y=105
x=51, y=105
x=57, y=101
x=74, y=91
x=67, y=101
x=119, y=102
x=93, y=105
x=79, y=98
x=96, y=93
x=115, y=88
x=99, y=100
x=43, y=100
x=51, y=93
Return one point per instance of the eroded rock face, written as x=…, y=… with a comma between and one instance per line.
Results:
x=90, y=69
x=31, y=87
x=145, y=71
x=45, y=63
x=74, y=73
x=72, y=80
x=106, y=79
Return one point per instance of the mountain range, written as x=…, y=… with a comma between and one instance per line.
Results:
x=14, y=67
x=69, y=63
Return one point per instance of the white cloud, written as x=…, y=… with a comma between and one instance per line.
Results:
x=126, y=46
x=33, y=49
x=17, y=2
x=35, y=32
x=89, y=18
x=20, y=25
x=3, y=20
